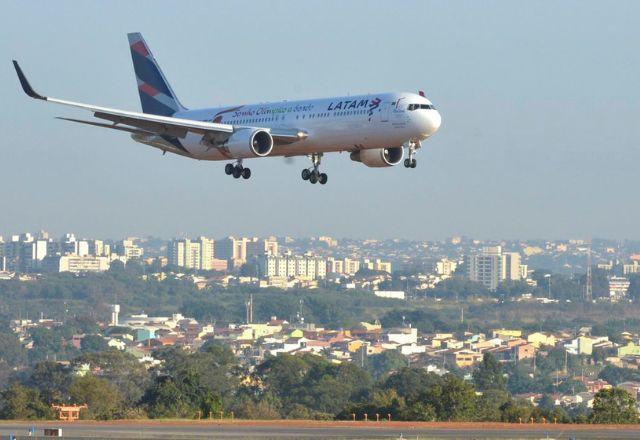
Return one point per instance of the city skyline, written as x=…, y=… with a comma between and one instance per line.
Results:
x=538, y=140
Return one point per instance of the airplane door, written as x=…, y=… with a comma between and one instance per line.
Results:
x=384, y=112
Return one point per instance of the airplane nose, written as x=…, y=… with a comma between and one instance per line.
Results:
x=433, y=121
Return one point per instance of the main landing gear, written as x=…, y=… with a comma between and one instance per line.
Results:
x=237, y=170
x=313, y=173
x=411, y=162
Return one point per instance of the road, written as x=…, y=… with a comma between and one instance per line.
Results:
x=314, y=430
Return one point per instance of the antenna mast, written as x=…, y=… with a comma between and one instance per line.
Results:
x=249, y=305
x=588, y=288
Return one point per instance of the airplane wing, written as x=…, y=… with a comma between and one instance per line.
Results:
x=163, y=125
x=145, y=123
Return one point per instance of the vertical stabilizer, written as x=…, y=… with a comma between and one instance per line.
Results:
x=156, y=95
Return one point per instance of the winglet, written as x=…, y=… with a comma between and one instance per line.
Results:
x=25, y=83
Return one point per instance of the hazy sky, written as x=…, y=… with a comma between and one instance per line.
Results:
x=540, y=107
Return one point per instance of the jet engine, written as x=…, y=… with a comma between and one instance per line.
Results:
x=248, y=143
x=379, y=157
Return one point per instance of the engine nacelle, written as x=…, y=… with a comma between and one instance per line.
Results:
x=249, y=142
x=379, y=157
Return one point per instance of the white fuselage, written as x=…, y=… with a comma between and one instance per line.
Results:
x=347, y=123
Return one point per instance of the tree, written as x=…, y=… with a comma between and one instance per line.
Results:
x=455, y=400
x=123, y=371
x=188, y=383
x=167, y=398
x=93, y=343
x=634, y=287
x=410, y=383
x=46, y=340
x=490, y=404
x=516, y=412
x=314, y=382
x=616, y=375
x=488, y=374
x=519, y=380
x=383, y=363
x=11, y=352
x=20, y=402
x=51, y=380
x=102, y=399
x=614, y=406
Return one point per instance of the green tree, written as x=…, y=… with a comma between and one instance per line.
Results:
x=11, y=352
x=46, y=340
x=516, y=412
x=20, y=402
x=615, y=406
x=167, y=398
x=383, y=363
x=488, y=374
x=123, y=371
x=102, y=399
x=519, y=380
x=616, y=375
x=634, y=287
x=455, y=400
x=93, y=343
x=314, y=382
x=490, y=404
x=188, y=383
x=51, y=380
x=411, y=383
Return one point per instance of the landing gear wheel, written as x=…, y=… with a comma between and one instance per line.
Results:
x=228, y=169
x=237, y=172
x=306, y=174
x=414, y=163
x=313, y=178
x=407, y=163
x=246, y=173
x=323, y=178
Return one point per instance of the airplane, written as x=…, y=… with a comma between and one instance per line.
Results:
x=375, y=128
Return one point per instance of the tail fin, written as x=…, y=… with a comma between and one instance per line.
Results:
x=156, y=95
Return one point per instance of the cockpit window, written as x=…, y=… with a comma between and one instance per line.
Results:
x=420, y=106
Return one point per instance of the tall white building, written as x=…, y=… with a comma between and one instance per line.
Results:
x=351, y=267
x=193, y=254
x=377, y=264
x=491, y=266
x=259, y=246
x=633, y=267
x=76, y=263
x=207, y=253
x=292, y=266
x=232, y=249
x=129, y=249
x=618, y=287
x=511, y=263
x=97, y=248
x=115, y=314
x=446, y=267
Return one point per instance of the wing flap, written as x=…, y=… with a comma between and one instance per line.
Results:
x=105, y=125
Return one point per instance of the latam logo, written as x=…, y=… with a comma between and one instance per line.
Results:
x=373, y=105
x=347, y=105
x=356, y=104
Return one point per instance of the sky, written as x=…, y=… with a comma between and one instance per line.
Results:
x=540, y=104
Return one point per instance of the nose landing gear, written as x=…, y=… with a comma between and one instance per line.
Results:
x=237, y=170
x=313, y=173
x=411, y=162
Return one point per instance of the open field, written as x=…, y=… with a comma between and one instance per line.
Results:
x=314, y=430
